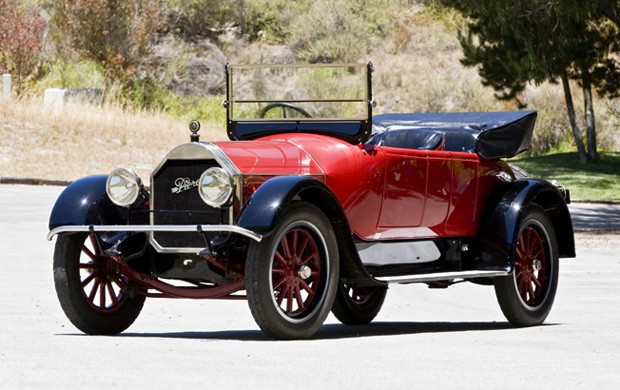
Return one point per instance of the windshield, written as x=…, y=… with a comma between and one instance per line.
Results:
x=301, y=92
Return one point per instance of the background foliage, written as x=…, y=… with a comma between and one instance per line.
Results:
x=168, y=55
x=21, y=40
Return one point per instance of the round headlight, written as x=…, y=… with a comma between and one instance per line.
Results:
x=215, y=186
x=123, y=187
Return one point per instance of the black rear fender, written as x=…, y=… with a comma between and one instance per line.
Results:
x=500, y=220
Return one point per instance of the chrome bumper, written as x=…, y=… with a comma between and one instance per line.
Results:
x=154, y=228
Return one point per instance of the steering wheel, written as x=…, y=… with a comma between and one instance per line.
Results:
x=284, y=107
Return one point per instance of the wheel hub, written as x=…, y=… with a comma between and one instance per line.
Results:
x=536, y=265
x=304, y=272
x=105, y=268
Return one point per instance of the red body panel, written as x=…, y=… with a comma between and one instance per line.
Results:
x=387, y=193
x=276, y=157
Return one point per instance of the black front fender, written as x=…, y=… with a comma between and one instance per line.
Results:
x=85, y=202
x=267, y=204
x=501, y=220
x=264, y=209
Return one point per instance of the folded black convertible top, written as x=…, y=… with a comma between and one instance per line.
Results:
x=490, y=134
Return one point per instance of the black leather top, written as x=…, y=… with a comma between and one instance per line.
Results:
x=423, y=139
x=490, y=134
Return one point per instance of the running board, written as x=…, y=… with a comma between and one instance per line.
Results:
x=441, y=276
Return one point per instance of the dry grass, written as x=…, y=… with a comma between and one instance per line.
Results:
x=68, y=142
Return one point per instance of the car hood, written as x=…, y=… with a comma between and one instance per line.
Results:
x=273, y=157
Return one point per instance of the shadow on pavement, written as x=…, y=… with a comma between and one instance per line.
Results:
x=338, y=331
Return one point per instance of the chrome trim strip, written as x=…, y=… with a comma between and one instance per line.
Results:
x=155, y=228
x=439, y=276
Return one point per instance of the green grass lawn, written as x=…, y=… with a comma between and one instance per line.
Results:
x=598, y=181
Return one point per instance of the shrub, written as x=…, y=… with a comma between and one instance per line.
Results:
x=114, y=34
x=21, y=40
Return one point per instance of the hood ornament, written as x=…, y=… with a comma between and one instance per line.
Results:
x=194, y=127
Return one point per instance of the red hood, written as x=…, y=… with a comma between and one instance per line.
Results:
x=273, y=157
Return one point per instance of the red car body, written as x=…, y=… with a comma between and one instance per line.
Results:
x=387, y=193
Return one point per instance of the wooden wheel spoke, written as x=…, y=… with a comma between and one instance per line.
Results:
x=89, y=265
x=285, y=247
x=519, y=252
x=88, y=279
x=102, y=294
x=93, y=291
x=299, y=298
x=300, y=251
x=531, y=290
x=279, y=284
x=281, y=258
x=311, y=256
x=537, y=282
x=118, y=281
x=112, y=293
x=523, y=288
x=88, y=253
x=294, y=238
x=281, y=294
x=289, y=300
x=308, y=289
x=94, y=243
x=278, y=271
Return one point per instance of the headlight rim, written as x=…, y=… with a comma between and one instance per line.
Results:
x=220, y=200
x=136, y=181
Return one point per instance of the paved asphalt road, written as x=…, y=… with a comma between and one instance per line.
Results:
x=422, y=338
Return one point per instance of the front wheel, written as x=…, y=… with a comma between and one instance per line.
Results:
x=292, y=275
x=526, y=296
x=93, y=295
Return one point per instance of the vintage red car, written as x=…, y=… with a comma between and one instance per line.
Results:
x=315, y=205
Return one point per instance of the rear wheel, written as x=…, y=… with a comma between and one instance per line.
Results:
x=358, y=305
x=93, y=295
x=526, y=296
x=292, y=275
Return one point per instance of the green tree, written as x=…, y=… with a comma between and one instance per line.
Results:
x=112, y=33
x=21, y=40
x=517, y=42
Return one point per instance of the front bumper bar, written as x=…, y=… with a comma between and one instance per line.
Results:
x=154, y=228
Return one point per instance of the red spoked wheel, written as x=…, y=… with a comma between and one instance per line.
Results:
x=291, y=276
x=91, y=291
x=531, y=266
x=101, y=285
x=526, y=296
x=296, y=272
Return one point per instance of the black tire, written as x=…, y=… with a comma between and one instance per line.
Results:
x=292, y=274
x=358, y=305
x=526, y=295
x=93, y=296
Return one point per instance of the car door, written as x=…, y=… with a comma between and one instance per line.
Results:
x=428, y=193
x=412, y=202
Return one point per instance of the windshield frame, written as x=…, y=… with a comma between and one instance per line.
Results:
x=352, y=129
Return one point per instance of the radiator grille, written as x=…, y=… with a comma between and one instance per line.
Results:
x=176, y=202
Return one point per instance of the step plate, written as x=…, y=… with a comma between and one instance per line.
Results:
x=440, y=276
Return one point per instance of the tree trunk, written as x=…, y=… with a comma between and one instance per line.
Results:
x=590, y=121
x=570, y=107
